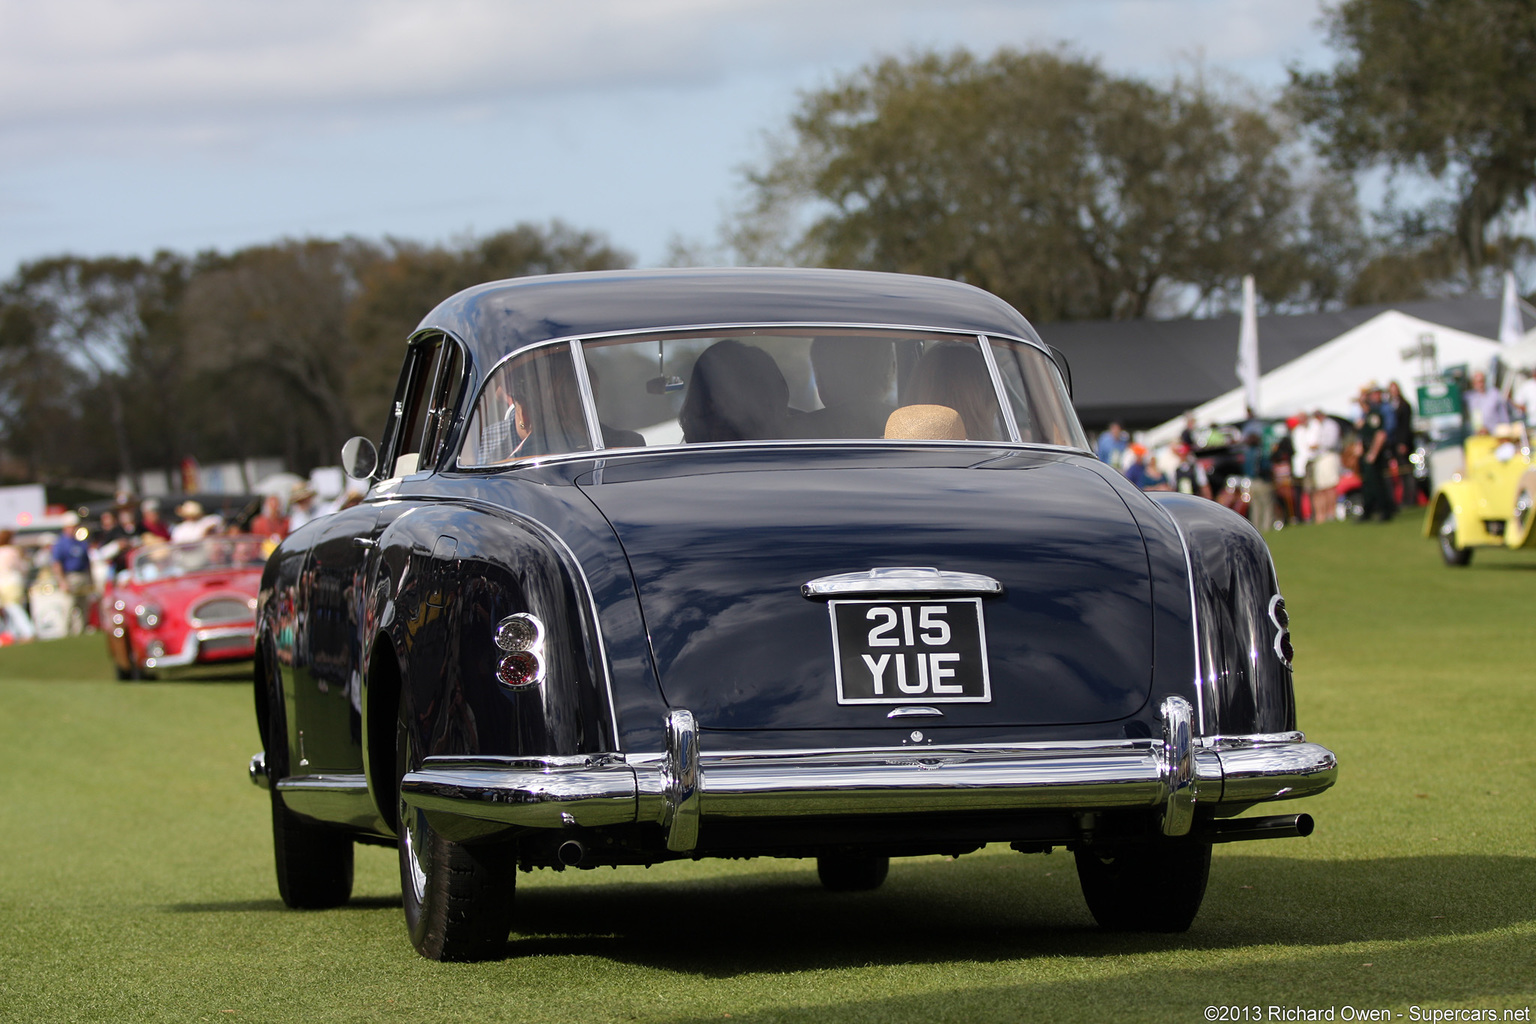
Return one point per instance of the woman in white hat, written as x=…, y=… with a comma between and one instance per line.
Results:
x=195, y=523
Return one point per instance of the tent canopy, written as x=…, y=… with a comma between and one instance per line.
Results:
x=1383, y=349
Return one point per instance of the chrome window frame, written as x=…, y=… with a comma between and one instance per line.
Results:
x=574, y=343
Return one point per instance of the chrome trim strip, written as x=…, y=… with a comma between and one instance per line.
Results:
x=749, y=785
x=590, y=405
x=1178, y=764
x=681, y=777
x=1194, y=617
x=1258, y=739
x=346, y=783
x=876, y=443
x=588, y=398
x=915, y=711
x=900, y=580
x=1000, y=389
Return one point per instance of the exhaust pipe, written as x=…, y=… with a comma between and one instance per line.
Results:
x=571, y=853
x=1278, y=826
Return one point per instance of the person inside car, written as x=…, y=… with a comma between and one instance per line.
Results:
x=735, y=393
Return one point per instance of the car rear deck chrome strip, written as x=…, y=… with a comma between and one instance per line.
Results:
x=900, y=580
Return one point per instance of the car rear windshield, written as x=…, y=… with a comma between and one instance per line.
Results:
x=767, y=385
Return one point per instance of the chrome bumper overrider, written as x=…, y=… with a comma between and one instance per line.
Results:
x=682, y=787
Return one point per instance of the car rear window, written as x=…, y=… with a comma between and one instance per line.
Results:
x=765, y=385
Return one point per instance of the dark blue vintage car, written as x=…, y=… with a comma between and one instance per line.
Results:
x=790, y=563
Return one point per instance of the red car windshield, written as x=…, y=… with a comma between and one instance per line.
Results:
x=216, y=554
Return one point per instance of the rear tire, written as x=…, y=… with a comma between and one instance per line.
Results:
x=852, y=871
x=1154, y=886
x=314, y=863
x=458, y=899
x=1453, y=555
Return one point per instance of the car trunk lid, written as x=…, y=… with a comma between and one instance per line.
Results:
x=721, y=547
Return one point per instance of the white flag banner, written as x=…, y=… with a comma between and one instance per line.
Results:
x=1248, y=347
x=1511, y=327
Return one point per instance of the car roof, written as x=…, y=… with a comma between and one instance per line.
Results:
x=496, y=318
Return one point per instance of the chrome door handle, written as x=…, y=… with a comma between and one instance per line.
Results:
x=365, y=542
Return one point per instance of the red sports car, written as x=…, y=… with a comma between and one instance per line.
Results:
x=184, y=604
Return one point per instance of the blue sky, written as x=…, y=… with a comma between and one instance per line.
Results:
x=132, y=125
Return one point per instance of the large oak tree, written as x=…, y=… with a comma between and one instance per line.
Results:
x=1442, y=87
x=1069, y=191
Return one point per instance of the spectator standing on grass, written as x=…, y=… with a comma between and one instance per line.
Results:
x=13, y=590
x=1280, y=457
x=1325, y=466
x=1487, y=410
x=1260, y=473
x=1112, y=445
x=1373, y=458
x=1524, y=398
x=1376, y=400
x=1143, y=472
x=71, y=556
x=1190, y=477
x=1400, y=441
x=1189, y=435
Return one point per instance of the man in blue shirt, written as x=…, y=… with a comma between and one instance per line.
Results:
x=72, y=560
x=1112, y=445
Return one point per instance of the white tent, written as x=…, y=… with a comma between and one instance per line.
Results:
x=1383, y=349
x=1522, y=354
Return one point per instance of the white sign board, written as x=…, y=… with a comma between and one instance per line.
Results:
x=21, y=506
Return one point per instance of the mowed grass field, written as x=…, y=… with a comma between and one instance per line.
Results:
x=136, y=877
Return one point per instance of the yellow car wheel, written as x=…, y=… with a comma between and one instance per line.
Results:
x=1517, y=532
x=1449, y=550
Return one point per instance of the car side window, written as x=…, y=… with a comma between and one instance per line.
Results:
x=425, y=403
x=1037, y=395
x=530, y=407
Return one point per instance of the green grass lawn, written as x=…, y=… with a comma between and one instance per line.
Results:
x=136, y=879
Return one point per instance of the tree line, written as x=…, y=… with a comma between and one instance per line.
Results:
x=1070, y=191
x=116, y=365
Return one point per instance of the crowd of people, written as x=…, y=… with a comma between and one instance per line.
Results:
x=1312, y=466
x=85, y=554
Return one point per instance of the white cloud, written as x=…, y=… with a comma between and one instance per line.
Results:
x=131, y=124
x=151, y=59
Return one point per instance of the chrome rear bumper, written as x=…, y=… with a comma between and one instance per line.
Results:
x=681, y=788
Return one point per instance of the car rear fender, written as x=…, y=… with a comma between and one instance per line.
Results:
x=1455, y=497
x=1241, y=625
x=449, y=577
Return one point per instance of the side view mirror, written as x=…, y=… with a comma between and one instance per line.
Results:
x=359, y=458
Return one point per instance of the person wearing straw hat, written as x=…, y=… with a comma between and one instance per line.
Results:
x=195, y=524
x=301, y=506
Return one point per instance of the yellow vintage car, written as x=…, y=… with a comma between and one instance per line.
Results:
x=1490, y=502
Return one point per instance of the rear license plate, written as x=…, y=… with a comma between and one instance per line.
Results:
x=900, y=652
